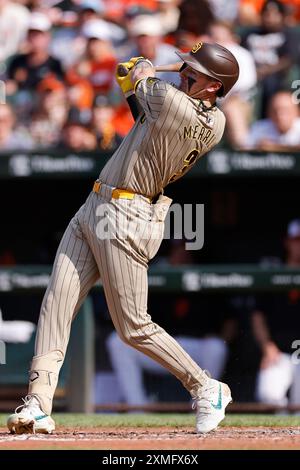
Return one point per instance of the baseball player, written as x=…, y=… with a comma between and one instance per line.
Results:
x=120, y=228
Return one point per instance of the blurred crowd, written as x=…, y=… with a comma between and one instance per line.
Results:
x=58, y=59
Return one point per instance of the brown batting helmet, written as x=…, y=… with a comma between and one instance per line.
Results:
x=215, y=61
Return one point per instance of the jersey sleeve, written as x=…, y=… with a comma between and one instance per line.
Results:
x=152, y=95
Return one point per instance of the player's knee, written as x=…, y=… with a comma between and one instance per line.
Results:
x=125, y=336
x=131, y=338
x=139, y=336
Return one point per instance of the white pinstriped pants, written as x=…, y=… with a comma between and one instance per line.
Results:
x=121, y=262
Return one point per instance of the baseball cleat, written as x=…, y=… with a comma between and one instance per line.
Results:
x=30, y=419
x=210, y=405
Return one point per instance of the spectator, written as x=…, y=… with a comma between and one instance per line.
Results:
x=271, y=46
x=97, y=10
x=281, y=130
x=238, y=105
x=146, y=34
x=50, y=114
x=27, y=70
x=12, y=137
x=77, y=137
x=225, y=10
x=117, y=9
x=276, y=325
x=185, y=40
x=90, y=9
x=293, y=9
x=168, y=14
x=68, y=44
x=195, y=16
x=122, y=119
x=250, y=10
x=14, y=21
x=102, y=122
x=98, y=63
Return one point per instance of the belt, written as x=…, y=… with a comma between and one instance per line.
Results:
x=118, y=193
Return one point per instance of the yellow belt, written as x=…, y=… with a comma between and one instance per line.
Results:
x=117, y=193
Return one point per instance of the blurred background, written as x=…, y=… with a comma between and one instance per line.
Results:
x=235, y=304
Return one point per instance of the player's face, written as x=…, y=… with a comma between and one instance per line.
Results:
x=193, y=83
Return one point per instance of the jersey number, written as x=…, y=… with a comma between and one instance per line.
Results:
x=187, y=163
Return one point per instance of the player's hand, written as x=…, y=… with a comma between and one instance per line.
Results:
x=137, y=60
x=123, y=78
x=123, y=74
x=143, y=68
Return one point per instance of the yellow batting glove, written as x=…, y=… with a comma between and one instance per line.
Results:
x=123, y=77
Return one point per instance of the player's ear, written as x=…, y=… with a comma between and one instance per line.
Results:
x=214, y=86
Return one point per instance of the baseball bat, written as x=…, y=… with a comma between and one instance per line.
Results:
x=123, y=71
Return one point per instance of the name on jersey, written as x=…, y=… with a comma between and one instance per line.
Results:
x=197, y=132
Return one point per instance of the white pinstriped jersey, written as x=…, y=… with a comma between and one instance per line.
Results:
x=165, y=142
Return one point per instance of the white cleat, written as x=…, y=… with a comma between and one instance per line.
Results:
x=210, y=404
x=30, y=419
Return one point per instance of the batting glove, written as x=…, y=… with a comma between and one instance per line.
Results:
x=123, y=78
x=123, y=75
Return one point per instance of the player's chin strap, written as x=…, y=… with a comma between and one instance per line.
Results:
x=206, y=108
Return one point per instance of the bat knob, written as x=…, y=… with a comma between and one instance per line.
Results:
x=122, y=70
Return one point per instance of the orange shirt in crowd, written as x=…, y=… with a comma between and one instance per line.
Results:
x=90, y=78
x=102, y=74
x=115, y=9
x=122, y=120
x=80, y=89
x=296, y=7
x=257, y=5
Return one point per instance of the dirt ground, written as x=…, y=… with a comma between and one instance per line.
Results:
x=224, y=438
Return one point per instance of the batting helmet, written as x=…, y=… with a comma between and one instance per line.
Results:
x=215, y=61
